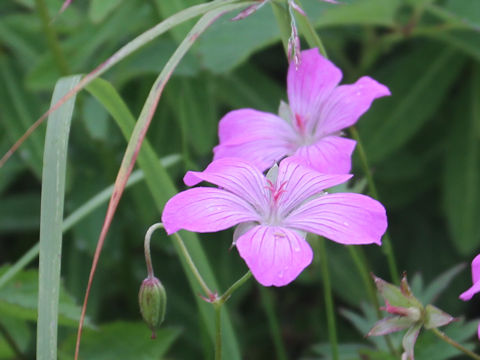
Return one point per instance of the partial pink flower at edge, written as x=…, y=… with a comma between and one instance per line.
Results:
x=475, y=288
x=319, y=110
x=274, y=215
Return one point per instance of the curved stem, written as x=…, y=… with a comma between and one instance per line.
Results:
x=226, y=295
x=455, y=344
x=184, y=252
x=192, y=266
x=146, y=245
x=387, y=244
x=327, y=291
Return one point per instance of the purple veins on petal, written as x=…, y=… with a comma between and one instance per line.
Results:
x=273, y=214
x=310, y=126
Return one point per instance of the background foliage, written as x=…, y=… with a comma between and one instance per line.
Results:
x=423, y=144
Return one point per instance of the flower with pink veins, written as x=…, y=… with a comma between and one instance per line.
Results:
x=274, y=212
x=475, y=288
x=310, y=128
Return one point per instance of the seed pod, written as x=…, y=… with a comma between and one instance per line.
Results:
x=152, y=299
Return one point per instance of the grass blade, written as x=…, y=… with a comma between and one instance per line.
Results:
x=162, y=188
x=51, y=218
x=81, y=212
x=139, y=133
x=122, y=53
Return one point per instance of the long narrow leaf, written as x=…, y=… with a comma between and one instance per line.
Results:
x=122, y=53
x=80, y=213
x=51, y=218
x=139, y=133
x=162, y=188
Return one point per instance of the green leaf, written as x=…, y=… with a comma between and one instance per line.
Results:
x=467, y=10
x=359, y=12
x=419, y=82
x=19, y=212
x=462, y=169
x=155, y=174
x=100, y=9
x=18, y=299
x=430, y=347
x=434, y=317
x=16, y=115
x=51, y=218
x=345, y=351
x=121, y=341
x=439, y=284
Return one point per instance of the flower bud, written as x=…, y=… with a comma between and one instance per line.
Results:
x=152, y=299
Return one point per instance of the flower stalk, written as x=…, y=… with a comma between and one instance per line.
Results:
x=455, y=344
x=387, y=244
x=327, y=292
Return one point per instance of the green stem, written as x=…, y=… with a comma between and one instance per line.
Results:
x=269, y=307
x=11, y=341
x=226, y=295
x=387, y=244
x=327, y=292
x=183, y=250
x=193, y=268
x=218, y=331
x=146, y=245
x=311, y=36
x=217, y=304
x=283, y=21
x=455, y=344
x=52, y=39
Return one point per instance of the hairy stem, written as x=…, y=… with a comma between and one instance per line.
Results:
x=455, y=344
x=191, y=264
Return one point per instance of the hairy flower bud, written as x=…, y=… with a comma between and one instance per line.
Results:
x=152, y=299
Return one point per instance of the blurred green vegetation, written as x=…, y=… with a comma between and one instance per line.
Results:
x=423, y=144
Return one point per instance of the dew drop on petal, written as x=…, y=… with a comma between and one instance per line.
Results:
x=280, y=274
x=346, y=223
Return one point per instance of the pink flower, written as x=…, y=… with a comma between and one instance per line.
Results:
x=475, y=288
x=273, y=214
x=310, y=128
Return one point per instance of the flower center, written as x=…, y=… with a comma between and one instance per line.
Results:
x=275, y=193
x=305, y=137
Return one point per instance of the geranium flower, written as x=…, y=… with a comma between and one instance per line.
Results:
x=310, y=128
x=475, y=288
x=273, y=214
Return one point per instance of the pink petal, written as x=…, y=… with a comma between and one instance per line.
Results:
x=347, y=103
x=476, y=269
x=478, y=331
x=467, y=295
x=235, y=175
x=239, y=126
x=256, y=136
x=275, y=255
x=206, y=210
x=351, y=219
x=301, y=183
x=308, y=85
x=329, y=155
